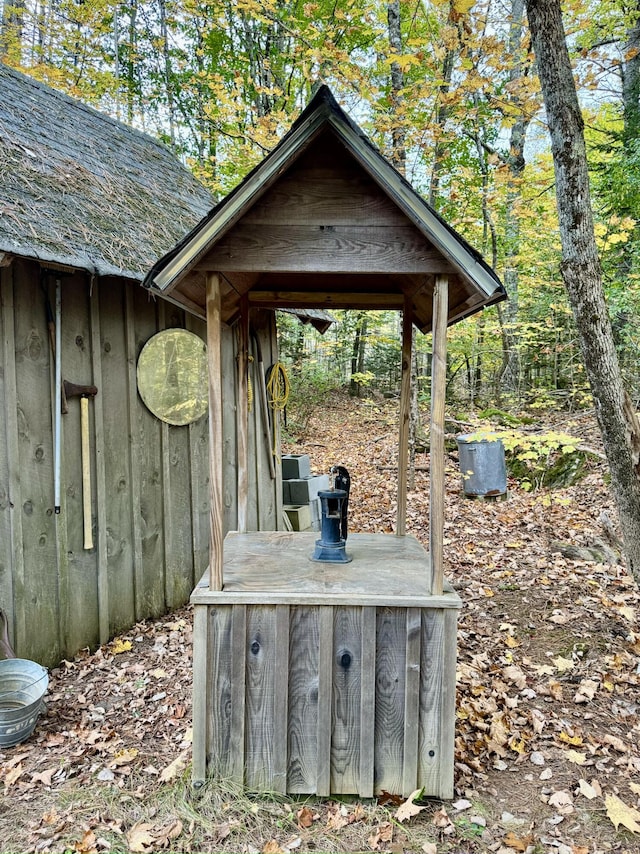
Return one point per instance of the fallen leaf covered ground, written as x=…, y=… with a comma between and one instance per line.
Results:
x=547, y=730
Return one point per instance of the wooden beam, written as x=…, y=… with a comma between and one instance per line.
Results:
x=214, y=355
x=135, y=465
x=242, y=409
x=101, y=488
x=436, y=457
x=201, y=695
x=405, y=405
x=324, y=248
x=316, y=299
x=16, y=602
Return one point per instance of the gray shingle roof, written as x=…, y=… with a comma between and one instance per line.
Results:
x=81, y=189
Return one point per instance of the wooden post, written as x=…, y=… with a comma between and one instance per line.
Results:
x=242, y=425
x=436, y=456
x=214, y=355
x=405, y=405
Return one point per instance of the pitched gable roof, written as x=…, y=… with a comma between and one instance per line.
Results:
x=80, y=189
x=424, y=244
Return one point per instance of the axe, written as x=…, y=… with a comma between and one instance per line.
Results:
x=84, y=392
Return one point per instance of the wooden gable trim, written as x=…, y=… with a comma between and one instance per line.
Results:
x=415, y=208
x=456, y=258
x=234, y=205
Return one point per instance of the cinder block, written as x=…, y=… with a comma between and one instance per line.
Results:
x=286, y=498
x=302, y=491
x=295, y=466
x=315, y=505
x=300, y=517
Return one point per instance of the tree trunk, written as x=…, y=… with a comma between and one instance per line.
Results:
x=399, y=160
x=398, y=148
x=357, y=353
x=11, y=29
x=581, y=270
x=631, y=81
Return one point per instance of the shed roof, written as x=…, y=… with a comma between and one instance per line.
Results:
x=325, y=221
x=80, y=189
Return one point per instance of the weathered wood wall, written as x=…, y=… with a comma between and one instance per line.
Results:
x=149, y=479
x=321, y=699
x=321, y=678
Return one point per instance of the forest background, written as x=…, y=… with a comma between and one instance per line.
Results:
x=447, y=90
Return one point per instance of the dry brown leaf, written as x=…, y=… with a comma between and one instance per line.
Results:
x=358, y=814
x=616, y=743
x=221, y=831
x=140, y=839
x=620, y=813
x=441, y=819
x=587, y=790
x=562, y=664
x=382, y=833
x=562, y=802
x=387, y=798
x=13, y=775
x=44, y=777
x=543, y=669
x=586, y=691
x=86, y=845
x=52, y=817
x=305, y=817
x=576, y=757
x=555, y=689
x=628, y=613
x=430, y=848
x=168, y=832
x=336, y=819
x=518, y=843
x=515, y=675
x=635, y=788
x=409, y=808
x=499, y=730
x=124, y=757
x=175, y=768
x=272, y=847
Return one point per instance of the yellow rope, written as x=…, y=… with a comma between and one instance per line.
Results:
x=278, y=387
x=249, y=388
x=278, y=390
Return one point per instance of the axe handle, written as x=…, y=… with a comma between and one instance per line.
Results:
x=86, y=473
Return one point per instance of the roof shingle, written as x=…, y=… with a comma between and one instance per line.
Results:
x=80, y=189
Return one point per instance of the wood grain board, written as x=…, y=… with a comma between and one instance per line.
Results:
x=327, y=679
x=149, y=491
x=277, y=566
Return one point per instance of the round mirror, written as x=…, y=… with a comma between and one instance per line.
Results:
x=172, y=376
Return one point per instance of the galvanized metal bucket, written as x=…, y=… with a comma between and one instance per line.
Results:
x=482, y=463
x=23, y=684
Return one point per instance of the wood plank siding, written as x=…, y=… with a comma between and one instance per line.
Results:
x=326, y=679
x=149, y=480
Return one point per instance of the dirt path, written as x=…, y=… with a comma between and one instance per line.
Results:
x=548, y=733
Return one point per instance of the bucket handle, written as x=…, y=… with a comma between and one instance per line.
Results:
x=25, y=688
x=6, y=650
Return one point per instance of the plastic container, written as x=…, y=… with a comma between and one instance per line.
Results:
x=482, y=464
x=23, y=684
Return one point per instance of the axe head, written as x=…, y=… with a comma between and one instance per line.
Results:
x=74, y=390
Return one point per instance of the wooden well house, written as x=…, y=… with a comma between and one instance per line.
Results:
x=313, y=677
